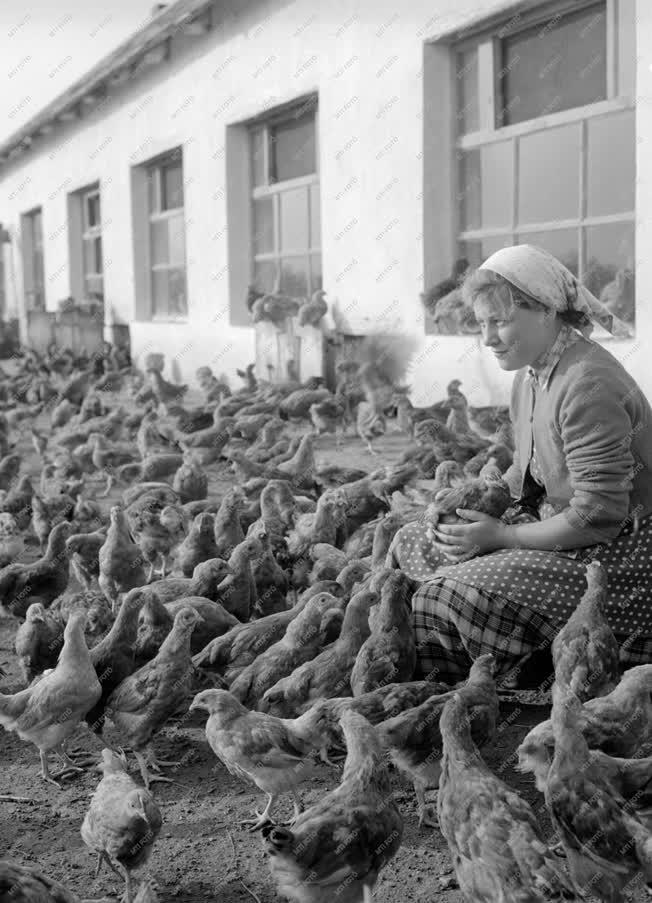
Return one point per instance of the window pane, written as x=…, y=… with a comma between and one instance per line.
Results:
x=554, y=66
x=160, y=245
x=97, y=246
x=487, y=178
x=467, y=91
x=476, y=252
x=92, y=210
x=177, y=240
x=263, y=225
x=160, y=293
x=93, y=285
x=264, y=275
x=294, y=277
x=293, y=148
x=563, y=243
x=152, y=190
x=315, y=272
x=258, y=157
x=178, y=304
x=294, y=219
x=315, y=217
x=611, y=163
x=549, y=169
x=172, y=187
x=610, y=267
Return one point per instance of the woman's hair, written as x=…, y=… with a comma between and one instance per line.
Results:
x=482, y=283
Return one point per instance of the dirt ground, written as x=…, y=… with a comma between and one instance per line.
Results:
x=203, y=853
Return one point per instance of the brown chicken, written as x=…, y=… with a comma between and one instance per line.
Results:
x=199, y=545
x=237, y=592
x=41, y=581
x=228, y=529
x=191, y=480
x=121, y=561
x=113, y=657
x=585, y=652
x=144, y=701
x=48, y=712
x=270, y=752
x=605, y=843
x=389, y=654
x=495, y=840
x=47, y=513
x=156, y=620
x=22, y=883
x=414, y=740
x=303, y=638
x=329, y=673
x=270, y=579
x=205, y=581
x=232, y=653
x=619, y=724
x=83, y=549
x=122, y=822
x=337, y=848
x=39, y=641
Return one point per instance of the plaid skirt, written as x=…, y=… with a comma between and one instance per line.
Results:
x=514, y=602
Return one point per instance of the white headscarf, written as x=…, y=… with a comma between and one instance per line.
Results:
x=541, y=276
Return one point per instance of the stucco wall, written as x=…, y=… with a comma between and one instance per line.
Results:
x=365, y=60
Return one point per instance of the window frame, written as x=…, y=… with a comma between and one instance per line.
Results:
x=33, y=259
x=89, y=234
x=274, y=190
x=442, y=154
x=155, y=168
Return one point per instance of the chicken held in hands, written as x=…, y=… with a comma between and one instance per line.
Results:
x=495, y=840
x=49, y=712
x=122, y=822
x=585, y=652
x=271, y=752
x=336, y=849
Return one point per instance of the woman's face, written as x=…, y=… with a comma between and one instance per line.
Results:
x=517, y=336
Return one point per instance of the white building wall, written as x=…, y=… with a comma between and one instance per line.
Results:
x=365, y=61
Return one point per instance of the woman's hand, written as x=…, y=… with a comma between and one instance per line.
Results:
x=484, y=534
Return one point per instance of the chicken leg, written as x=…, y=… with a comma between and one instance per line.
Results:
x=427, y=814
x=263, y=817
x=148, y=760
x=51, y=777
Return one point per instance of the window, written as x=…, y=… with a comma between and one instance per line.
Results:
x=33, y=267
x=286, y=235
x=545, y=141
x=167, y=238
x=93, y=278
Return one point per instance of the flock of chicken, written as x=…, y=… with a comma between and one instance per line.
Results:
x=281, y=594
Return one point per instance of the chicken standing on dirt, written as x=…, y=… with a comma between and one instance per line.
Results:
x=302, y=640
x=39, y=641
x=271, y=752
x=329, y=673
x=619, y=724
x=121, y=561
x=414, y=740
x=143, y=702
x=122, y=821
x=605, y=844
x=585, y=652
x=49, y=712
x=494, y=837
x=41, y=581
x=389, y=654
x=337, y=848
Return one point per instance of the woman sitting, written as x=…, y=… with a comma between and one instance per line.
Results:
x=582, y=464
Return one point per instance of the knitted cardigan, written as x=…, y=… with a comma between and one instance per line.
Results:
x=592, y=430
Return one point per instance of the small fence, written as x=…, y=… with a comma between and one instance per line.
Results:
x=78, y=330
